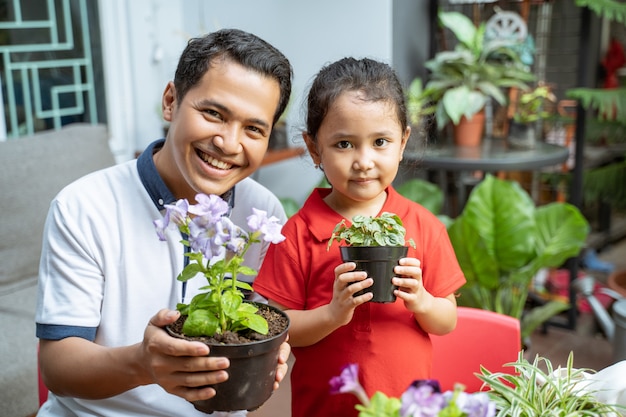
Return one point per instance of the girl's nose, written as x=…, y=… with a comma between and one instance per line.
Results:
x=363, y=162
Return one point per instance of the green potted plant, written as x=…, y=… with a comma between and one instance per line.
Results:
x=463, y=80
x=537, y=389
x=248, y=333
x=531, y=106
x=375, y=244
x=502, y=240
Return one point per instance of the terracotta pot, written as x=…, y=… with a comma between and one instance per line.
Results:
x=251, y=373
x=469, y=132
x=378, y=262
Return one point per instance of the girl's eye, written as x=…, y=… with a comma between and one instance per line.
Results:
x=380, y=142
x=344, y=144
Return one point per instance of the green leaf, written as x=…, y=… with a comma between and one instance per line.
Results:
x=380, y=406
x=190, y=271
x=501, y=240
x=200, y=323
x=538, y=315
x=462, y=27
x=255, y=322
x=423, y=192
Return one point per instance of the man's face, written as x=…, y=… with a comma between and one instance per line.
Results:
x=219, y=132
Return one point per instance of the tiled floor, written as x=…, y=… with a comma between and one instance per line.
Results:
x=589, y=346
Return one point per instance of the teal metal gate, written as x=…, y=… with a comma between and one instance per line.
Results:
x=47, y=68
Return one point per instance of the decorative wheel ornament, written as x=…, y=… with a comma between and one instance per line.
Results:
x=506, y=25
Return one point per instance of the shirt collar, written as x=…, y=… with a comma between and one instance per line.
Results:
x=154, y=184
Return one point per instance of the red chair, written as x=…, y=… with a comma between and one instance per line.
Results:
x=481, y=337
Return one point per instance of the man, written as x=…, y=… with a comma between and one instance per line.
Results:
x=104, y=273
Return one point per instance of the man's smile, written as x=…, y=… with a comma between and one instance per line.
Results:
x=216, y=163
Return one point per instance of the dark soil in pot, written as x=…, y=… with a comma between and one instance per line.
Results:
x=253, y=358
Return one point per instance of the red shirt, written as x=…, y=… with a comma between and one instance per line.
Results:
x=383, y=339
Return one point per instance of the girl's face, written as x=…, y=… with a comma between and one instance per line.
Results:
x=359, y=145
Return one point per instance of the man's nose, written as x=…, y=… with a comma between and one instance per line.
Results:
x=228, y=139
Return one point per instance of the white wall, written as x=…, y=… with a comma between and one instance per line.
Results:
x=310, y=34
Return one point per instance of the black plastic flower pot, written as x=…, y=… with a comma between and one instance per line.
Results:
x=378, y=262
x=251, y=374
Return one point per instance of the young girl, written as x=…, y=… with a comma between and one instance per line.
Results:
x=356, y=132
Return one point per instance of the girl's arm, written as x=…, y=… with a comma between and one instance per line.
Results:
x=436, y=315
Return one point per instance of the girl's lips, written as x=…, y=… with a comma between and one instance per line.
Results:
x=215, y=163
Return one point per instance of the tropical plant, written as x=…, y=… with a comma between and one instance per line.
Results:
x=502, y=240
x=533, y=391
x=384, y=230
x=463, y=80
x=217, y=248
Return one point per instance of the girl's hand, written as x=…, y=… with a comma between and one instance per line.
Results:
x=410, y=289
x=347, y=283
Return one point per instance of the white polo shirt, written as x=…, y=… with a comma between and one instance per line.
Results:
x=104, y=273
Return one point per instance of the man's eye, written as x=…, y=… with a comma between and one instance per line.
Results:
x=213, y=113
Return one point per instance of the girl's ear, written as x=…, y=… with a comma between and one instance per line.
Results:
x=312, y=147
x=168, y=101
x=405, y=140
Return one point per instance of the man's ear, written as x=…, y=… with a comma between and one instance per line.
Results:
x=312, y=147
x=168, y=101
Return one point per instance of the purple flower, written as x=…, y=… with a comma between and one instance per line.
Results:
x=423, y=398
x=348, y=382
x=476, y=404
x=269, y=227
x=211, y=206
x=175, y=214
x=202, y=234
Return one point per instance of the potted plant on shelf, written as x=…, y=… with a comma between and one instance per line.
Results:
x=375, y=244
x=531, y=106
x=463, y=80
x=248, y=333
x=502, y=240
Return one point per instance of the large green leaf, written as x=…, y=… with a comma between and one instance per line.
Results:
x=423, y=192
x=461, y=26
x=561, y=233
x=501, y=240
x=495, y=233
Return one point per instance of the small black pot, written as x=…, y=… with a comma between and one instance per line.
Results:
x=378, y=262
x=522, y=135
x=251, y=373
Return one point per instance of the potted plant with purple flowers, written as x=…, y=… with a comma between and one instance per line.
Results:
x=422, y=398
x=375, y=244
x=248, y=333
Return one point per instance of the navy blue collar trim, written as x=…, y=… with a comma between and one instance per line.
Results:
x=150, y=178
x=153, y=183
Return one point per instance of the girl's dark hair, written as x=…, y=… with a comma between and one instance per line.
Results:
x=241, y=47
x=376, y=80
